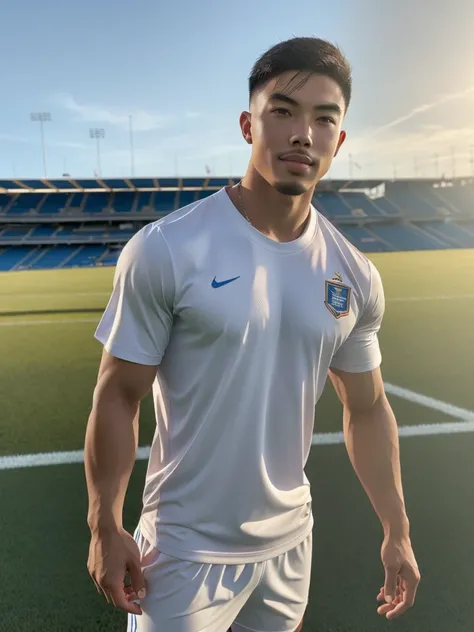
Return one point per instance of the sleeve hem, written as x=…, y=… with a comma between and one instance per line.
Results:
x=358, y=368
x=129, y=356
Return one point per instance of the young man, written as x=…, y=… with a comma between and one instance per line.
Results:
x=234, y=310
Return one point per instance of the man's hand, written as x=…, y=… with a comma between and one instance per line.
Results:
x=402, y=577
x=113, y=553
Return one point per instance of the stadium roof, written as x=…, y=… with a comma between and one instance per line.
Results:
x=69, y=185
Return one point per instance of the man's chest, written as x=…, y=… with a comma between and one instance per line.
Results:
x=302, y=300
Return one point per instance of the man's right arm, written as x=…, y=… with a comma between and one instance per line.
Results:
x=112, y=437
x=134, y=331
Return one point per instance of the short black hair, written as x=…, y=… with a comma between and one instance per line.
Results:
x=303, y=55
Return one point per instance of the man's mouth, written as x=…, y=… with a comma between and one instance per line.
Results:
x=302, y=159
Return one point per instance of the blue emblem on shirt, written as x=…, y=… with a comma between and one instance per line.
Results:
x=338, y=298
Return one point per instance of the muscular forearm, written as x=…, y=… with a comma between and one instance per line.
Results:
x=373, y=448
x=109, y=455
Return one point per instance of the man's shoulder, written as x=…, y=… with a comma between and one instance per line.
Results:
x=170, y=237
x=188, y=215
x=338, y=244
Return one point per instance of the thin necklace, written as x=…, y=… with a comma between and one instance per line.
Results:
x=242, y=207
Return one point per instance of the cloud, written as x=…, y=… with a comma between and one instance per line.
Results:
x=68, y=145
x=379, y=154
x=11, y=138
x=163, y=152
x=219, y=150
x=431, y=127
x=421, y=109
x=426, y=140
x=142, y=120
x=175, y=143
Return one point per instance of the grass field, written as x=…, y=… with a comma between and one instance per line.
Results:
x=48, y=369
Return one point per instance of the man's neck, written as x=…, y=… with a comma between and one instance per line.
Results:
x=280, y=217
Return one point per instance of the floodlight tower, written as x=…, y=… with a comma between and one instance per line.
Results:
x=97, y=134
x=42, y=117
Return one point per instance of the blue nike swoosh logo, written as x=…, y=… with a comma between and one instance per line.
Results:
x=221, y=283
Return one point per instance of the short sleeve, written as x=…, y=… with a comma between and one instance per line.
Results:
x=137, y=321
x=361, y=350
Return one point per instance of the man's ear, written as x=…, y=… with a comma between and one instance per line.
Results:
x=246, y=126
x=342, y=138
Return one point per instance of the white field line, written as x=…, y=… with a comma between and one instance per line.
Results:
x=53, y=294
x=455, y=427
x=435, y=404
x=465, y=423
x=48, y=321
x=22, y=461
x=408, y=299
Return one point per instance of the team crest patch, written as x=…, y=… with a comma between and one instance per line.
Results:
x=338, y=297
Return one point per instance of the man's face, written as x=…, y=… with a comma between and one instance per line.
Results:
x=295, y=130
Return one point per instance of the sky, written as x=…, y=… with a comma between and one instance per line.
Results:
x=180, y=70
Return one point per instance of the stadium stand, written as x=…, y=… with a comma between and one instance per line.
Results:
x=86, y=222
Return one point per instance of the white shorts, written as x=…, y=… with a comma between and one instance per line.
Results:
x=182, y=596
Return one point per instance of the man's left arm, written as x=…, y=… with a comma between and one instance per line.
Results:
x=371, y=438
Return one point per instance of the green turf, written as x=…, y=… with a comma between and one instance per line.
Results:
x=46, y=588
x=47, y=375
x=46, y=384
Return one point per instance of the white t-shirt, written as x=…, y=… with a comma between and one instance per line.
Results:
x=244, y=330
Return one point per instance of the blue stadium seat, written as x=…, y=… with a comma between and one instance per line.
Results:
x=43, y=231
x=111, y=256
x=186, y=197
x=144, y=200
x=54, y=203
x=12, y=256
x=165, y=201
x=453, y=234
x=461, y=198
x=24, y=203
x=96, y=202
x=441, y=206
x=87, y=256
x=123, y=201
x=4, y=201
x=81, y=232
x=16, y=231
x=331, y=205
x=76, y=200
x=360, y=202
x=363, y=239
x=387, y=207
x=51, y=257
x=204, y=194
x=406, y=197
x=66, y=231
x=400, y=237
x=120, y=233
